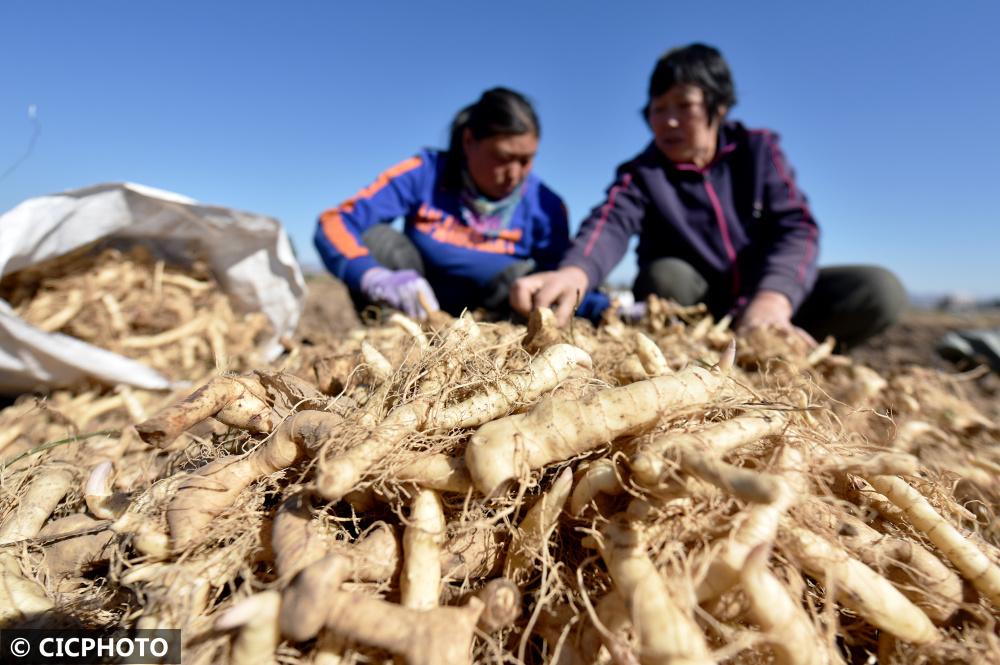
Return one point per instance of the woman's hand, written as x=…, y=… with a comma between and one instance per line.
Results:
x=400, y=289
x=771, y=309
x=560, y=289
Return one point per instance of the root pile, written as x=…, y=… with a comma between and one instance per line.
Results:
x=492, y=493
x=176, y=320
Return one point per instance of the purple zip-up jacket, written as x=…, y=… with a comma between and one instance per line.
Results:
x=741, y=221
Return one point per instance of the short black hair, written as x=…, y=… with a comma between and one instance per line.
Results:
x=695, y=64
x=497, y=112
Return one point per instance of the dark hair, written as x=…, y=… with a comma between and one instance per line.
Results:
x=695, y=64
x=498, y=112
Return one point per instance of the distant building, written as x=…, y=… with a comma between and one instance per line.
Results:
x=956, y=302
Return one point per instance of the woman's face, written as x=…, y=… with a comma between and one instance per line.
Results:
x=499, y=164
x=681, y=126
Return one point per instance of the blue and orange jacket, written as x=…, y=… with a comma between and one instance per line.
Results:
x=741, y=221
x=459, y=261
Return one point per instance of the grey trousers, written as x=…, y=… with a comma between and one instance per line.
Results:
x=852, y=303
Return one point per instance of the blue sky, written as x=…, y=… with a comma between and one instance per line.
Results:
x=887, y=110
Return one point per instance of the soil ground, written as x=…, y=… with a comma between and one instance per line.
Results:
x=912, y=341
x=329, y=312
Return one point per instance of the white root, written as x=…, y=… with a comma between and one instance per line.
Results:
x=72, y=545
x=98, y=408
x=746, y=484
x=217, y=341
x=436, y=636
x=439, y=636
x=599, y=477
x=501, y=604
x=790, y=632
x=44, y=493
x=866, y=386
x=136, y=411
x=436, y=471
x=821, y=352
x=257, y=620
x=607, y=633
x=185, y=282
x=10, y=433
x=250, y=410
x=914, y=570
x=911, y=432
x=667, y=631
x=543, y=331
x=375, y=557
x=558, y=429
x=183, y=590
x=702, y=328
x=304, y=600
x=101, y=501
x=118, y=323
x=411, y=328
x=20, y=597
x=298, y=541
x=420, y=582
x=159, y=273
x=536, y=527
x=545, y=372
x=147, y=539
x=859, y=588
x=295, y=537
x=472, y=553
x=341, y=474
x=758, y=527
x=189, y=348
x=721, y=326
x=891, y=463
x=650, y=356
x=66, y=314
x=649, y=466
x=237, y=401
x=378, y=366
x=970, y=560
x=214, y=487
x=190, y=329
x=326, y=578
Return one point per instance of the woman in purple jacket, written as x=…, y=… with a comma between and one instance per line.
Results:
x=720, y=220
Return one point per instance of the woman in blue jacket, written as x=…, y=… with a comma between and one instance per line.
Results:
x=720, y=220
x=476, y=218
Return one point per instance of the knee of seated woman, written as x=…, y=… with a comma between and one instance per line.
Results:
x=885, y=297
x=671, y=278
